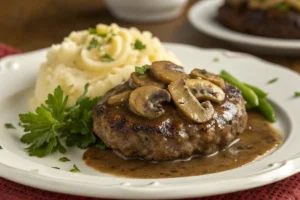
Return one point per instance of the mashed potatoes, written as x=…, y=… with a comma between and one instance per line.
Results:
x=104, y=57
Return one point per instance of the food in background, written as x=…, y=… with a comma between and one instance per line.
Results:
x=268, y=18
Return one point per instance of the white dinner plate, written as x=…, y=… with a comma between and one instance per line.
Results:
x=203, y=16
x=17, y=76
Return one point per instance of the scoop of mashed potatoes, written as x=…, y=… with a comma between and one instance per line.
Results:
x=103, y=56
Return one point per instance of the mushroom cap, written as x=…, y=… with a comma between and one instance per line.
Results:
x=205, y=90
x=146, y=101
x=166, y=71
x=203, y=74
x=138, y=80
x=188, y=104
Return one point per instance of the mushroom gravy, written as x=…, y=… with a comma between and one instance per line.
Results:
x=257, y=140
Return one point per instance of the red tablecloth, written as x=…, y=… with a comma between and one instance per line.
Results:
x=288, y=189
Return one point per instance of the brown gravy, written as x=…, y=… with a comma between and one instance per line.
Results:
x=257, y=140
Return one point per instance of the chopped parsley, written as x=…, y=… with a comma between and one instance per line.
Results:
x=139, y=45
x=64, y=159
x=297, y=94
x=74, y=169
x=93, y=31
x=9, y=126
x=273, y=80
x=93, y=44
x=103, y=35
x=141, y=70
x=107, y=58
x=1, y=147
x=54, y=122
x=55, y=167
x=216, y=59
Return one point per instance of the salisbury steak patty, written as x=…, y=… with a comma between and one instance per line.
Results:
x=268, y=23
x=170, y=135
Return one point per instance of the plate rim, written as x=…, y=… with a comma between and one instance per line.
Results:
x=226, y=34
x=190, y=190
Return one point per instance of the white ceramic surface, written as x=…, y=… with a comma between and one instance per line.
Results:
x=18, y=73
x=203, y=16
x=146, y=11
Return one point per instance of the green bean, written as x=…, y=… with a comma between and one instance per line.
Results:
x=266, y=108
x=260, y=93
x=248, y=94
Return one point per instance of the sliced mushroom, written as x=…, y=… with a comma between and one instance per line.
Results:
x=119, y=98
x=203, y=74
x=188, y=104
x=205, y=90
x=138, y=80
x=146, y=101
x=166, y=71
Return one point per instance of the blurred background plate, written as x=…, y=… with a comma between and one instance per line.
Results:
x=203, y=16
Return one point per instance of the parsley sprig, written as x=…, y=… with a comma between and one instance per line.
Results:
x=54, y=123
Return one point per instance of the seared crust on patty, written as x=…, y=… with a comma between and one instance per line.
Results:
x=170, y=136
x=268, y=23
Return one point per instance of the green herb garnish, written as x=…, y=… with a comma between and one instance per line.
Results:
x=74, y=169
x=64, y=159
x=216, y=59
x=272, y=80
x=93, y=44
x=9, y=126
x=54, y=121
x=55, y=167
x=1, y=147
x=139, y=45
x=141, y=70
x=297, y=94
x=107, y=58
x=103, y=35
x=93, y=31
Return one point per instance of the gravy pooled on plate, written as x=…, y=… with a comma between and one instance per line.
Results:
x=257, y=140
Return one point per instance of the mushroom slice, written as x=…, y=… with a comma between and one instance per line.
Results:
x=205, y=90
x=119, y=98
x=166, y=71
x=138, y=80
x=146, y=101
x=188, y=104
x=202, y=73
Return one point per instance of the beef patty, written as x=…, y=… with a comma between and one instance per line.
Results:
x=267, y=23
x=169, y=136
